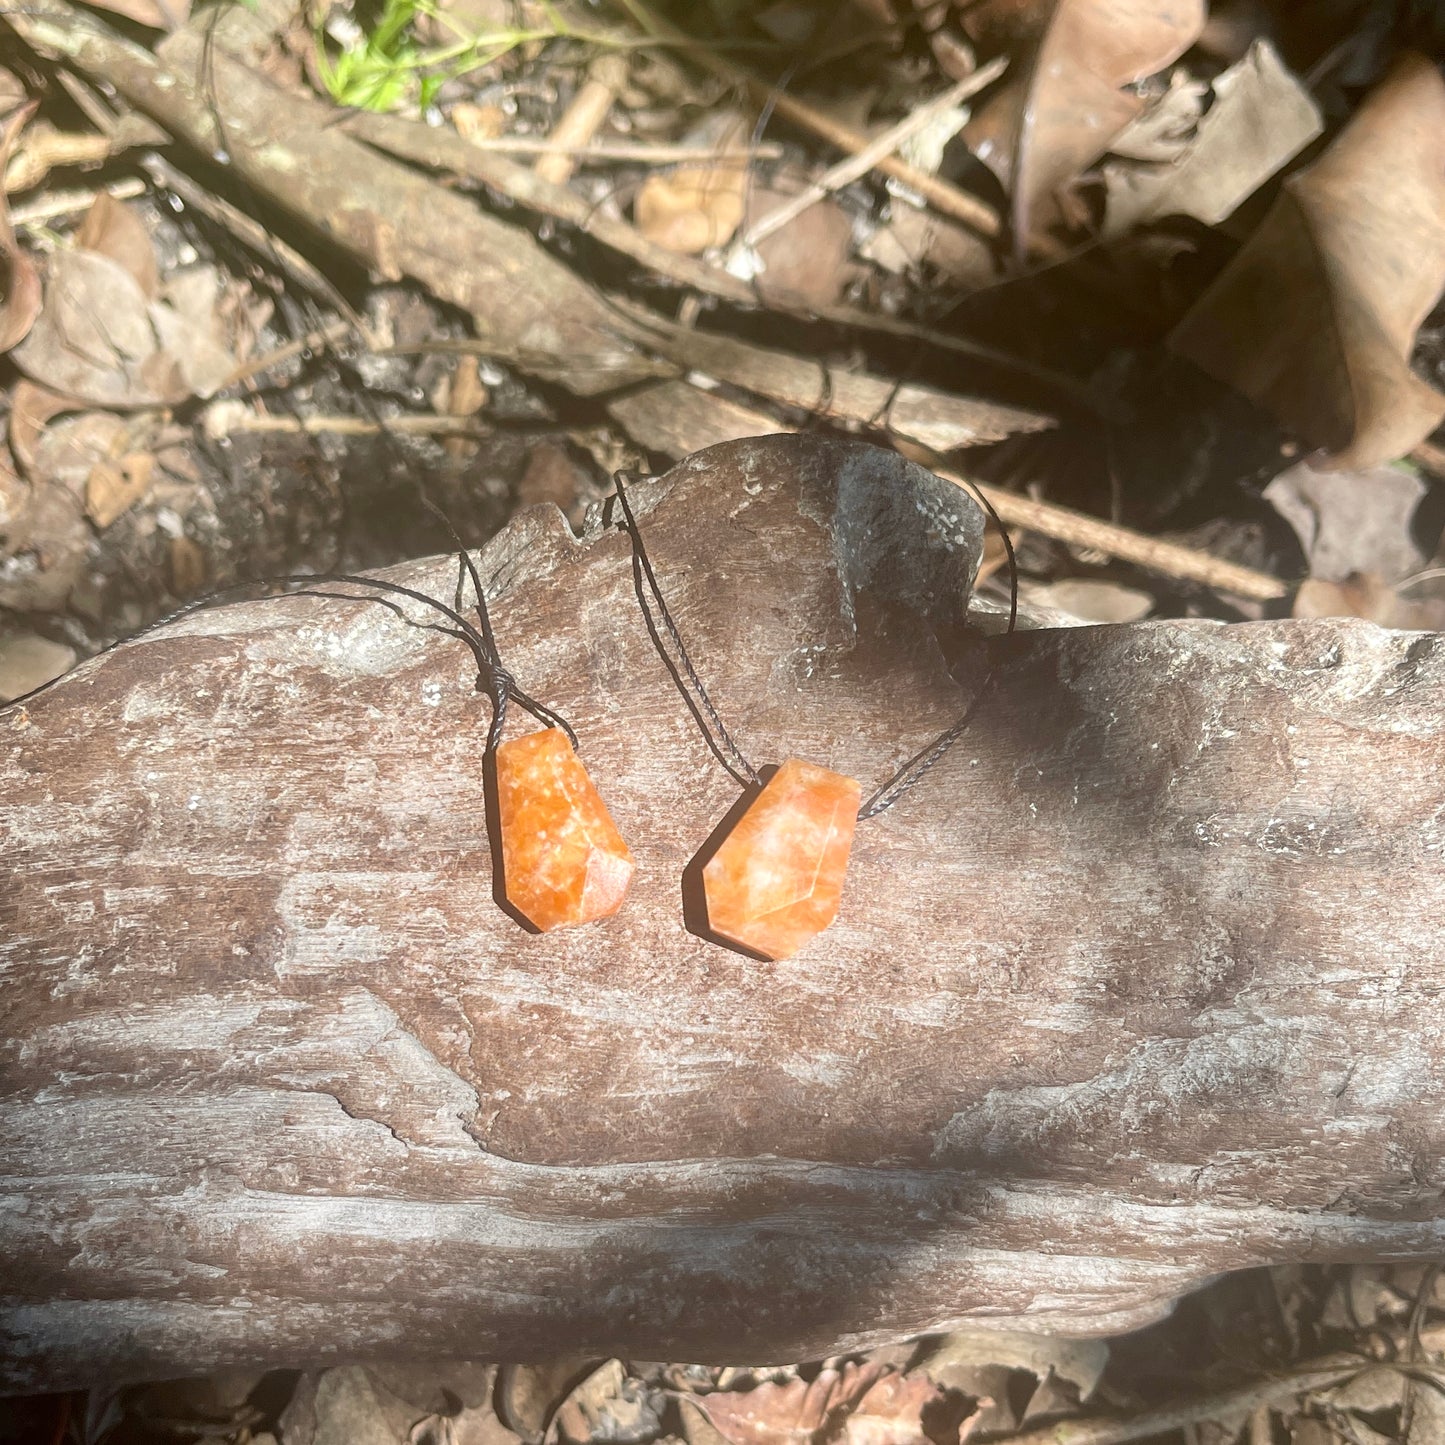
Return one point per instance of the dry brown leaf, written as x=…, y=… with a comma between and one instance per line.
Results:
x=191, y=327
x=992, y=1387
x=1371, y=1391
x=31, y=409
x=609, y=1406
x=1261, y=118
x=693, y=208
x=528, y=1395
x=1316, y=317
x=45, y=547
x=14, y=495
x=1003, y=24
x=478, y=122
x=69, y=449
x=1427, y=1425
x=912, y=239
x=1351, y=521
x=891, y=1413
x=795, y=1413
x=471, y=1426
x=188, y=572
x=445, y=1404
x=93, y=335
x=552, y=477
x=111, y=228
x=1165, y=131
x=1053, y=1397
x=28, y=661
x=114, y=487
x=20, y=297
x=1413, y=604
x=348, y=1403
x=1361, y=594
x=1049, y=121
x=1091, y=599
x=13, y=93
x=1079, y=1361
x=808, y=259
x=99, y=338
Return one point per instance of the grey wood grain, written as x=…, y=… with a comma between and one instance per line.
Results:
x=1142, y=983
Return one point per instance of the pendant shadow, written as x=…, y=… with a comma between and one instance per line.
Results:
x=694, y=897
x=492, y=809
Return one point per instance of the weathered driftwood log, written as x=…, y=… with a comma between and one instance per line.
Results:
x=1139, y=985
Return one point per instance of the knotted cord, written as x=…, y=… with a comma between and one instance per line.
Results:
x=492, y=677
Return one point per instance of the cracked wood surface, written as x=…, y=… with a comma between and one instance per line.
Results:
x=1139, y=985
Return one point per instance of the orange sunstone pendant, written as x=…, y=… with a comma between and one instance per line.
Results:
x=563, y=860
x=778, y=876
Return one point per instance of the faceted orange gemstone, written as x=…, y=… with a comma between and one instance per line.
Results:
x=563, y=860
x=778, y=877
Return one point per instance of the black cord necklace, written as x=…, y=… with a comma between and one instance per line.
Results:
x=777, y=878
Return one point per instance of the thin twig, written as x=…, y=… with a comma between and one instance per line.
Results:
x=445, y=150
x=879, y=149
x=1423, y=1297
x=1167, y=559
x=54, y=204
x=638, y=152
x=968, y=210
x=317, y=340
x=1430, y=456
x=40, y=154
x=582, y=119
x=250, y=233
x=1154, y=554
x=1223, y=1404
x=430, y=424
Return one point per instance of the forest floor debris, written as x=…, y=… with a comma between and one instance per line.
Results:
x=1170, y=289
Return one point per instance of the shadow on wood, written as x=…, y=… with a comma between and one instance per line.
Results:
x=1139, y=985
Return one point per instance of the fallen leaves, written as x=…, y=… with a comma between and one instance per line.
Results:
x=1351, y=521
x=101, y=339
x=609, y=1405
x=795, y=1413
x=113, y=488
x=113, y=229
x=892, y=1411
x=694, y=208
x=807, y=260
x=1260, y=118
x=449, y=1404
x=858, y=1403
x=112, y=345
x=1316, y=317
x=1051, y=120
x=28, y=661
x=1090, y=600
x=1081, y=1362
x=1356, y=531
